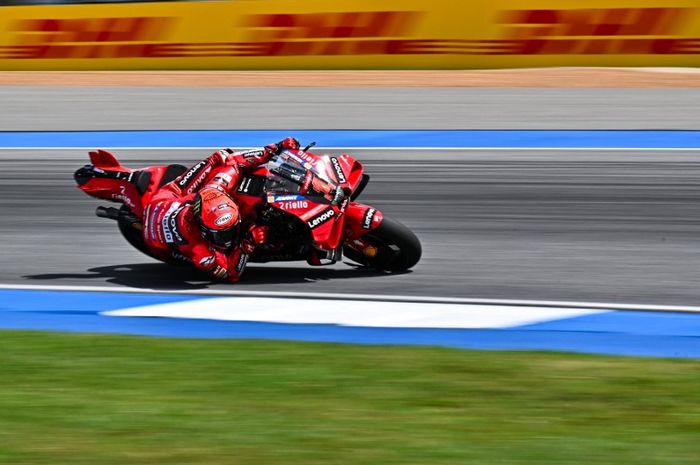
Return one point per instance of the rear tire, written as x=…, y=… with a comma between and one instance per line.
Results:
x=131, y=228
x=398, y=249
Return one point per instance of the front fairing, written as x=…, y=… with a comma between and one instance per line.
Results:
x=286, y=175
x=280, y=181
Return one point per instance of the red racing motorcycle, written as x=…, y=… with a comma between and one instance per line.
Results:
x=308, y=201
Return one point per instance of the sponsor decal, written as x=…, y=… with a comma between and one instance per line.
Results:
x=169, y=224
x=287, y=198
x=338, y=33
x=220, y=272
x=177, y=237
x=93, y=38
x=152, y=223
x=122, y=197
x=306, y=158
x=253, y=154
x=245, y=185
x=207, y=261
x=368, y=218
x=293, y=205
x=191, y=174
x=242, y=260
x=344, y=205
x=340, y=176
x=321, y=218
x=224, y=219
x=594, y=31
x=662, y=30
x=302, y=158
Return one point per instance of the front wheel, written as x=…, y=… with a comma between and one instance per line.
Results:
x=391, y=247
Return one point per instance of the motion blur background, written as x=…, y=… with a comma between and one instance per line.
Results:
x=544, y=213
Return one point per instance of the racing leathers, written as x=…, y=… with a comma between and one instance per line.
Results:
x=170, y=229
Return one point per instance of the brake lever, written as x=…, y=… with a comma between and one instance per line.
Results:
x=312, y=144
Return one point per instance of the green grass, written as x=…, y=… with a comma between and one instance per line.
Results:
x=84, y=399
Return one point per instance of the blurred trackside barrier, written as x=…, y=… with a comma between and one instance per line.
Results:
x=350, y=34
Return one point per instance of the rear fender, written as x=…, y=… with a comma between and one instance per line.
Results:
x=115, y=190
x=361, y=219
x=107, y=161
x=107, y=179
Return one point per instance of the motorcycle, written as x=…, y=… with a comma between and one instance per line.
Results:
x=307, y=200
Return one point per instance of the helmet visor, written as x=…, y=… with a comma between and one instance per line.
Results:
x=223, y=239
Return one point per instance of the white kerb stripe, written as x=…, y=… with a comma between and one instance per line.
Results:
x=353, y=313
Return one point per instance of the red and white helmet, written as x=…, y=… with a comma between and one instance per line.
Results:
x=218, y=217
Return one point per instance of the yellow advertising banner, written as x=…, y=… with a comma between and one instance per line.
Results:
x=350, y=34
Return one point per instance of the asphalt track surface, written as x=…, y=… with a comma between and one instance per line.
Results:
x=578, y=226
x=134, y=108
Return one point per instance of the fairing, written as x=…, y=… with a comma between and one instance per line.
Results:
x=324, y=218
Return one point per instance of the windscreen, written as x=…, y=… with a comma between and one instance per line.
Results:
x=286, y=175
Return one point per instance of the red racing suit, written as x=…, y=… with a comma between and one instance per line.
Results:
x=169, y=226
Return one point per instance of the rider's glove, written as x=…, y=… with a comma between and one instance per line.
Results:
x=289, y=143
x=257, y=235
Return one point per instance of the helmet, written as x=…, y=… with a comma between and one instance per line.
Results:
x=217, y=216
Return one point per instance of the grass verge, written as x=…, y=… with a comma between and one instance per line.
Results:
x=86, y=399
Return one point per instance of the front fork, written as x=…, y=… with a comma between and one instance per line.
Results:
x=360, y=220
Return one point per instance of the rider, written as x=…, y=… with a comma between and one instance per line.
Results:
x=194, y=218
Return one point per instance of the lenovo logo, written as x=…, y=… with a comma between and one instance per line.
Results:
x=320, y=219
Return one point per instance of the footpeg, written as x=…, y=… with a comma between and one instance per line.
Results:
x=107, y=212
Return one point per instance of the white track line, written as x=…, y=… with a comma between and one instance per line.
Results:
x=364, y=297
x=369, y=314
x=393, y=149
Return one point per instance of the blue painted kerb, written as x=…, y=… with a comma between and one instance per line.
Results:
x=445, y=139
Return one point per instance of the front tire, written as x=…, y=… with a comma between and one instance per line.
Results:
x=397, y=248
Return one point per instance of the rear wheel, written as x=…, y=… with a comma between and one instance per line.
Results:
x=131, y=228
x=390, y=247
